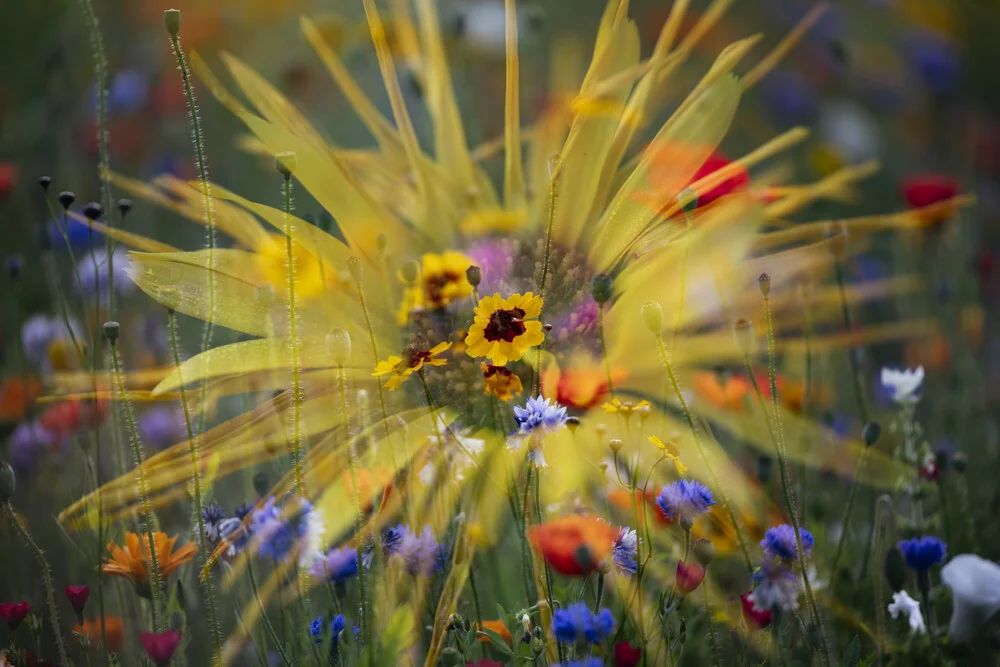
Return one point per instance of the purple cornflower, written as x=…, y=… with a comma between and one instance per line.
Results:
x=162, y=427
x=538, y=415
x=775, y=586
x=25, y=442
x=390, y=541
x=280, y=530
x=94, y=274
x=338, y=565
x=685, y=500
x=923, y=553
x=577, y=623
x=624, y=551
x=212, y=516
x=420, y=553
x=779, y=542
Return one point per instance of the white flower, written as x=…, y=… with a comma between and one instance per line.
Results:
x=905, y=384
x=975, y=593
x=526, y=623
x=902, y=603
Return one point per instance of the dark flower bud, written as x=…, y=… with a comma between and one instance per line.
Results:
x=111, y=330
x=704, y=551
x=960, y=462
x=941, y=459
x=45, y=182
x=172, y=21
x=743, y=334
x=93, y=210
x=546, y=328
x=66, y=198
x=261, y=484
x=601, y=287
x=124, y=206
x=688, y=199
x=764, y=283
x=871, y=432
x=895, y=569
x=474, y=275
x=572, y=423
x=7, y=482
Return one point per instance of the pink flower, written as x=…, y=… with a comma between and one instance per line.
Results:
x=758, y=618
x=689, y=577
x=77, y=596
x=14, y=612
x=160, y=647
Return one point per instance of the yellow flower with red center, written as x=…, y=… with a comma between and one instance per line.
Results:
x=130, y=562
x=617, y=407
x=671, y=452
x=500, y=381
x=413, y=360
x=502, y=331
x=442, y=281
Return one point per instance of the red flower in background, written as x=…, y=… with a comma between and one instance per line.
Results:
x=64, y=419
x=14, y=612
x=77, y=596
x=160, y=647
x=8, y=178
x=689, y=577
x=925, y=190
x=758, y=618
x=716, y=161
x=627, y=655
x=574, y=545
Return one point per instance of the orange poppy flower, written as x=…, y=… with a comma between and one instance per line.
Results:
x=16, y=395
x=581, y=387
x=498, y=627
x=726, y=396
x=573, y=545
x=622, y=501
x=130, y=562
x=89, y=633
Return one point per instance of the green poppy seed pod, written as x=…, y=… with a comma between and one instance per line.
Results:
x=474, y=275
x=172, y=21
x=111, y=330
x=261, y=484
x=960, y=462
x=764, y=283
x=895, y=569
x=704, y=551
x=871, y=432
x=615, y=444
x=285, y=163
x=338, y=342
x=743, y=333
x=409, y=272
x=92, y=211
x=585, y=558
x=601, y=287
x=45, y=182
x=652, y=315
x=7, y=482
x=688, y=199
x=354, y=268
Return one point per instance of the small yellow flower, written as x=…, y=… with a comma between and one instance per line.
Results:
x=500, y=381
x=671, y=452
x=413, y=360
x=442, y=281
x=501, y=331
x=627, y=408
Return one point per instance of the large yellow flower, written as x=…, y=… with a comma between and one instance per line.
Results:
x=502, y=330
x=414, y=359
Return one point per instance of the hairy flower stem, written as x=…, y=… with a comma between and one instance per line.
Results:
x=855, y=483
x=206, y=192
x=196, y=481
x=293, y=332
x=545, y=564
x=604, y=349
x=50, y=600
x=154, y=579
x=672, y=376
x=885, y=534
x=786, y=485
x=366, y=627
x=278, y=645
x=476, y=604
x=852, y=357
x=546, y=257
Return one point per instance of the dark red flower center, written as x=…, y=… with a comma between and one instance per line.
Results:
x=505, y=325
x=492, y=370
x=413, y=356
x=434, y=287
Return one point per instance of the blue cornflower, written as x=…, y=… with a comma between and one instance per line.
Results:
x=212, y=516
x=280, y=530
x=338, y=565
x=243, y=510
x=586, y=662
x=577, y=623
x=624, y=551
x=776, y=586
x=538, y=415
x=391, y=538
x=238, y=535
x=922, y=553
x=337, y=626
x=316, y=629
x=779, y=542
x=421, y=553
x=684, y=500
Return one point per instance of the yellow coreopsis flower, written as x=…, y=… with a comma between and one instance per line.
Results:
x=616, y=406
x=500, y=381
x=671, y=452
x=501, y=330
x=444, y=278
x=414, y=359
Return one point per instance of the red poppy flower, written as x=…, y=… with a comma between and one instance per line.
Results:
x=923, y=190
x=64, y=419
x=8, y=177
x=160, y=647
x=758, y=618
x=14, y=612
x=627, y=655
x=714, y=163
x=929, y=470
x=77, y=596
x=689, y=577
x=574, y=545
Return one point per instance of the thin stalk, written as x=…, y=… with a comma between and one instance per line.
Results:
x=353, y=466
x=545, y=564
x=143, y=489
x=50, y=600
x=475, y=601
x=683, y=286
x=604, y=349
x=196, y=480
x=263, y=616
x=553, y=196
x=859, y=395
x=786, y=485
x=855, y=483
x=718, y=487
x=293, y=331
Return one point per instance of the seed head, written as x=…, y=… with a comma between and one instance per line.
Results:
x=172, y=21
x=93, y=210
x=871, y=432
x=338, y=342
x=704, y=551
x=960, y=462
x=45, y=182
x=285, y=163
x=354, y=268
x=601, y=287
x=615, y=444
x=652, y=315
x=111, y=330
x=261, y=484
x=474, y=275
x=764, y=283
x=66, y=199
x=409, y=272
x=743, y=334
x=124, y=206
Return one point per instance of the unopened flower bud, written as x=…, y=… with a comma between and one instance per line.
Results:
x=92, y=211
x=354, y=268
x=474, y=275
x=66, y=198
x=526, y=623
x=7, y=482
x=615, y=444
x=764, y=283
x=652, y=315
x=409, y=272
x=338, y=342
x=895, y=568
x=704, y=551
x=45, y=182
x=743, y=333
x=572, y=423
x=111, y=330
x=172, y=21
x=871, y=432
x=601, y=287
x=285, y=163
x=124, y=206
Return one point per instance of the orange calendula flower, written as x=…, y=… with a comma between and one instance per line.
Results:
x=670, y=451
x=501, y=330
x=130, y=562
x=500, y=381
x=582, y=385
x=413, y=360
x=617, y=407
x=726, y=395
x=89, y=633
x=574, y=545
x=497, y=626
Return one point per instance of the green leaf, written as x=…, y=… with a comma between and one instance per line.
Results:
x=498, y=642
x=852, y=654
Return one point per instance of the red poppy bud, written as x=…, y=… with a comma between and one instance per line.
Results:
x=689, y=577
x=77, y=596
x=160, y=647
x=758, y=618
x=14, y=612
x=627, y=655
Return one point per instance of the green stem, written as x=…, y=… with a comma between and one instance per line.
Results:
x=293, y=331
x=604, y=349
x=475, y=602
x=196, y=480
x=852, y=357
x=263, y=616
x=353, y=465
x=855, y=483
